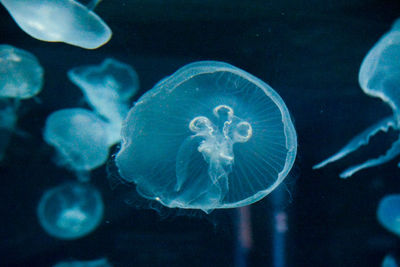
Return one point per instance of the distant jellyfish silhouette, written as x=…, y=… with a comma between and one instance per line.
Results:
x=209, y=136
x=71, y=210
x=8, y=121
x=21, y=75
x=108, y=88
x=80, y=138
x=65, y=21
x=388, y=213
x=379, y=76
x=103, y=262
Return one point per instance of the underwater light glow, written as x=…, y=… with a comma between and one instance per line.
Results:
x=209, y=136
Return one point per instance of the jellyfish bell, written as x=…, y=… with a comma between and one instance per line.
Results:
x=80, y=138
x=108, y=88
x=65, y=21
x=389, y=261
x=209, y=136
x=21, y=73
x=70, y=211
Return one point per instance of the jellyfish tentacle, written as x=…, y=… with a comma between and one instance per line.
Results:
x=359, y=140
x=393, y=152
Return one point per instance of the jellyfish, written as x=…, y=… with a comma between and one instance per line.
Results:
x=389, y=261
x=103, y=262
x=108, y=88
x=388, y=213
x=70, y=210
x=209, y=136
x=80, y=138
x=379, y=76
x=65, y=21
x=21, y=73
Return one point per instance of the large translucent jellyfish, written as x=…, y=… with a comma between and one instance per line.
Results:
x=108, y=88
x=65, y=21
x=379, y=76
x=21, y=75
x=388, y=213
x=71, y=210
x=80, y=138
x=209, y=136
x=103, y=262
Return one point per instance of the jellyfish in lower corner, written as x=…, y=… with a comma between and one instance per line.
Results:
x=21, y=75
x=389, y=261
x=80, y=138
x=209, y=136
x=70, y=210
x=65, y=21
x=108, y=88
x=103, y=262
x=379, y=76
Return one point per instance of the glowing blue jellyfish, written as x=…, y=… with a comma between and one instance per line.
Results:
x=21, y=75
x=8, y=121
x=94, y=263
x=209, y=136
x=80, y=138
x=71, y=210
x=379, y=76
x=389, y=261
x=388, y=213
x=65, y=21
x=108, y=88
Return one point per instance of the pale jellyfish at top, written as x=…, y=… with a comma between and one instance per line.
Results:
x=70, y=210
x=103, y=262
x=388, y=213
x=21, y=75
x=80, y=138
x=209, y=136
x=379, y=76
x=65, y=21
x=108, y=88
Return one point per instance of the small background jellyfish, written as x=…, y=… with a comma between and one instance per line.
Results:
x=21, y=73
x=93, y=263
x=389, y=261
x=70, y=210
x=379, y=76
x=80, y=138
x=209, y=136
x=108, y=88
x=388, y=213
x=21, y=77
x=65, y=21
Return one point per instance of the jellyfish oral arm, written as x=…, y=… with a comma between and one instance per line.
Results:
x=358, y=141
x=215, y=143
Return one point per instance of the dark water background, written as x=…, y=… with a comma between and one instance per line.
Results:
x=308, y=51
